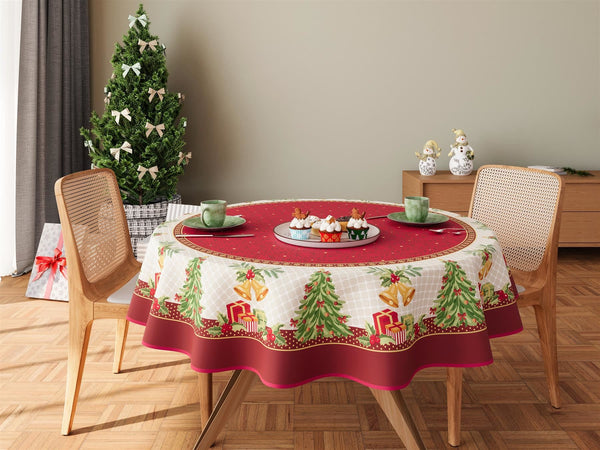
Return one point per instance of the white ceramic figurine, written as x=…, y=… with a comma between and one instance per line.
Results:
x=461, y=153
x=427, y=164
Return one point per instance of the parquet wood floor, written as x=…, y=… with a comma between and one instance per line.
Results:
x=153, y=403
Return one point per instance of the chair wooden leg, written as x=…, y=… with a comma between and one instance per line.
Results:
x=393, y=405
x=230, y=399
x=120, y=339
x=79, y=337
x=454, y=396
x=206, y=400
x=545, y=316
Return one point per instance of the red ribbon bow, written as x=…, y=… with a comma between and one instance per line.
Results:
x=55, y=262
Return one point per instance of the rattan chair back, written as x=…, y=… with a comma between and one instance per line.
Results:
x=521, y=206
x=94, y=223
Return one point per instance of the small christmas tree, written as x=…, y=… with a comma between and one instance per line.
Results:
x=320, y=310
x=457, y=301
x=139, y=136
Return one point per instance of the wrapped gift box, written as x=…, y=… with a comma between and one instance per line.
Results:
x=49, y=274
x=409, y=321
x=383, y=318
x=250, y=321
x=396, y=330
x=235, y=309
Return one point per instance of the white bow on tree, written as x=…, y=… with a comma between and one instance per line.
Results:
x=118, y=114
x=159, y=128
x=143, y=20
x=152, y=44
x=136, y=68
x=116, y=152
x=152, y=171
x=184, y=156
x=152, y=93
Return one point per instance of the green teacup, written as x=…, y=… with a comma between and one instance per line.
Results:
x=213, y=212
x=416, y=208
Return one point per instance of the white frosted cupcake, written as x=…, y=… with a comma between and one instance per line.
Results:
x=300, y=225
x=330, y=230
x=357, y=227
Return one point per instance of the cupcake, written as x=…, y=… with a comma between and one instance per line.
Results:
x=300, y=225
x=357, y=227
x=330, y=230
x=316, y=227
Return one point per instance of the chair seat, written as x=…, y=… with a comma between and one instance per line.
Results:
x=123, y=295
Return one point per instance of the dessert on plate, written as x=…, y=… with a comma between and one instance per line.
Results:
x=343, y=222
x=330, y=230
x=300, y=225
x=357, y=226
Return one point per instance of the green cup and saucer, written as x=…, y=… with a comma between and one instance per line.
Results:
x=229, y=222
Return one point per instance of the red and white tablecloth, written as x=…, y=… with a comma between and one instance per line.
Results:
x=375, y=314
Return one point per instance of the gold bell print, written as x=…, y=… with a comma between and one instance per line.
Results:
x=244, y=290
x=407, y=293
x=260, y=290
x=390, y=295
x=485, y=269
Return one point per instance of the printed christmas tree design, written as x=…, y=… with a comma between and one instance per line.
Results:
x=320, y=314
x=457, y=301
x=139, y=135
x=190, y=294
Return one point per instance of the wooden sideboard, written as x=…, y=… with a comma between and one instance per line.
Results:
x=580, y=219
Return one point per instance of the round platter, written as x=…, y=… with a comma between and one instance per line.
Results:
x=282, y=232
x=432, y=219
x=230, y=222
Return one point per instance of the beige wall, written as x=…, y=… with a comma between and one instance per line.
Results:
x=290, y=99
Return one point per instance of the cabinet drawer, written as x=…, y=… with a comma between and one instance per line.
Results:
x=581, y=197
x=455, y=197
x=578, y=228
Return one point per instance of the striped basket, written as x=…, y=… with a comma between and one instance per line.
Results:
x=143, y=219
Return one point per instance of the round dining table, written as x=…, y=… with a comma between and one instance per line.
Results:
x=250, y=298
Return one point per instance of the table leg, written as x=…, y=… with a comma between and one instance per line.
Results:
x=228, y=402
x=393, y=405
x=454, y=395
x=206, y=400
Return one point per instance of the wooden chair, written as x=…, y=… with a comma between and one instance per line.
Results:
x=101, y=268
x=523, y=207
x=102, y=274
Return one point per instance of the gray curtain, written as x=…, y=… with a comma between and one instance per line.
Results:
x=54, y=102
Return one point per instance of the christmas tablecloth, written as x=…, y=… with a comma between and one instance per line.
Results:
x=376, y=313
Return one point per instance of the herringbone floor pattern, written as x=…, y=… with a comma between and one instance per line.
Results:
x=153, y=403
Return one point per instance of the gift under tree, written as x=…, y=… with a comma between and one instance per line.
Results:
x=139, y=136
